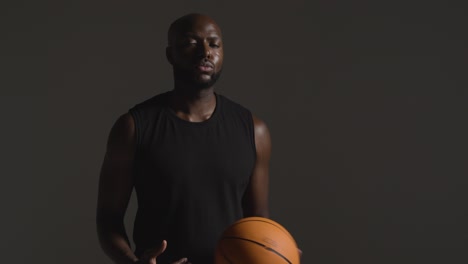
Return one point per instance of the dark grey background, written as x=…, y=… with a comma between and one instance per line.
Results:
x=366, y=103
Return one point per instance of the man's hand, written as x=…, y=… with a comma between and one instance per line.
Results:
x=150, y=255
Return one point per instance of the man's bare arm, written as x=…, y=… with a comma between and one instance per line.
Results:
x=255, y=201
x=115, y=188
x=256, y=197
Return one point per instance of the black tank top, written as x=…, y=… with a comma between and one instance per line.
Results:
x=189, y=176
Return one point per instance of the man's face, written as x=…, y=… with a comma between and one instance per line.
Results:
x=196, y=52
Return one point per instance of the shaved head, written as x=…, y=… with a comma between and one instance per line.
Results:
x=185, y=23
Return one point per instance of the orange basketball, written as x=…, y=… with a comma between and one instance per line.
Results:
x=256, y=240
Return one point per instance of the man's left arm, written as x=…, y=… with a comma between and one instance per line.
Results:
x=255, y=200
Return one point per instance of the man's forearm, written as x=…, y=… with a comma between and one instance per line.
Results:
x=115, y=244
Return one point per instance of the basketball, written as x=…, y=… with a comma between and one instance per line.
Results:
x=256, y=240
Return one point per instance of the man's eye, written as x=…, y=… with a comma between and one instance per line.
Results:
x=189, y=43
x=214, y=45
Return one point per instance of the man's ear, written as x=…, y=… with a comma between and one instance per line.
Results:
x=169, y=55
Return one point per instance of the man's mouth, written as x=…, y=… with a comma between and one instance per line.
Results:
x=205, y=66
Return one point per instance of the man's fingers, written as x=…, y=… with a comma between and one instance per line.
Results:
x=181, y=261
x=157, y=251
x=163, y=247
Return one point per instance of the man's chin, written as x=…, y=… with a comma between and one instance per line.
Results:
x=202, y=81
x=206, y=81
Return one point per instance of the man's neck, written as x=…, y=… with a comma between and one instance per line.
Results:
x=193, y=105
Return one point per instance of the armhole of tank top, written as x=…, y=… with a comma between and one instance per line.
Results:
x=136, y=121
x=252, y=132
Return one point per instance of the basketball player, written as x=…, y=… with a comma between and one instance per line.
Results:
x=197, y=160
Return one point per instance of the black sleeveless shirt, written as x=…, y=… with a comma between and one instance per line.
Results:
x=190, y=177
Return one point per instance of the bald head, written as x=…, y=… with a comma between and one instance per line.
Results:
x=188, y=23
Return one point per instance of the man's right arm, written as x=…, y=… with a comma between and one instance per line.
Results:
x=115, y=188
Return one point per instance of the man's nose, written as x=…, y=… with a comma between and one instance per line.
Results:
x=204, y=50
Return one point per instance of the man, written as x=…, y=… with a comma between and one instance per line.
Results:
x=197, y=160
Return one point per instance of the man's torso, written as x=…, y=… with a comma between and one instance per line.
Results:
x=190, y=177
